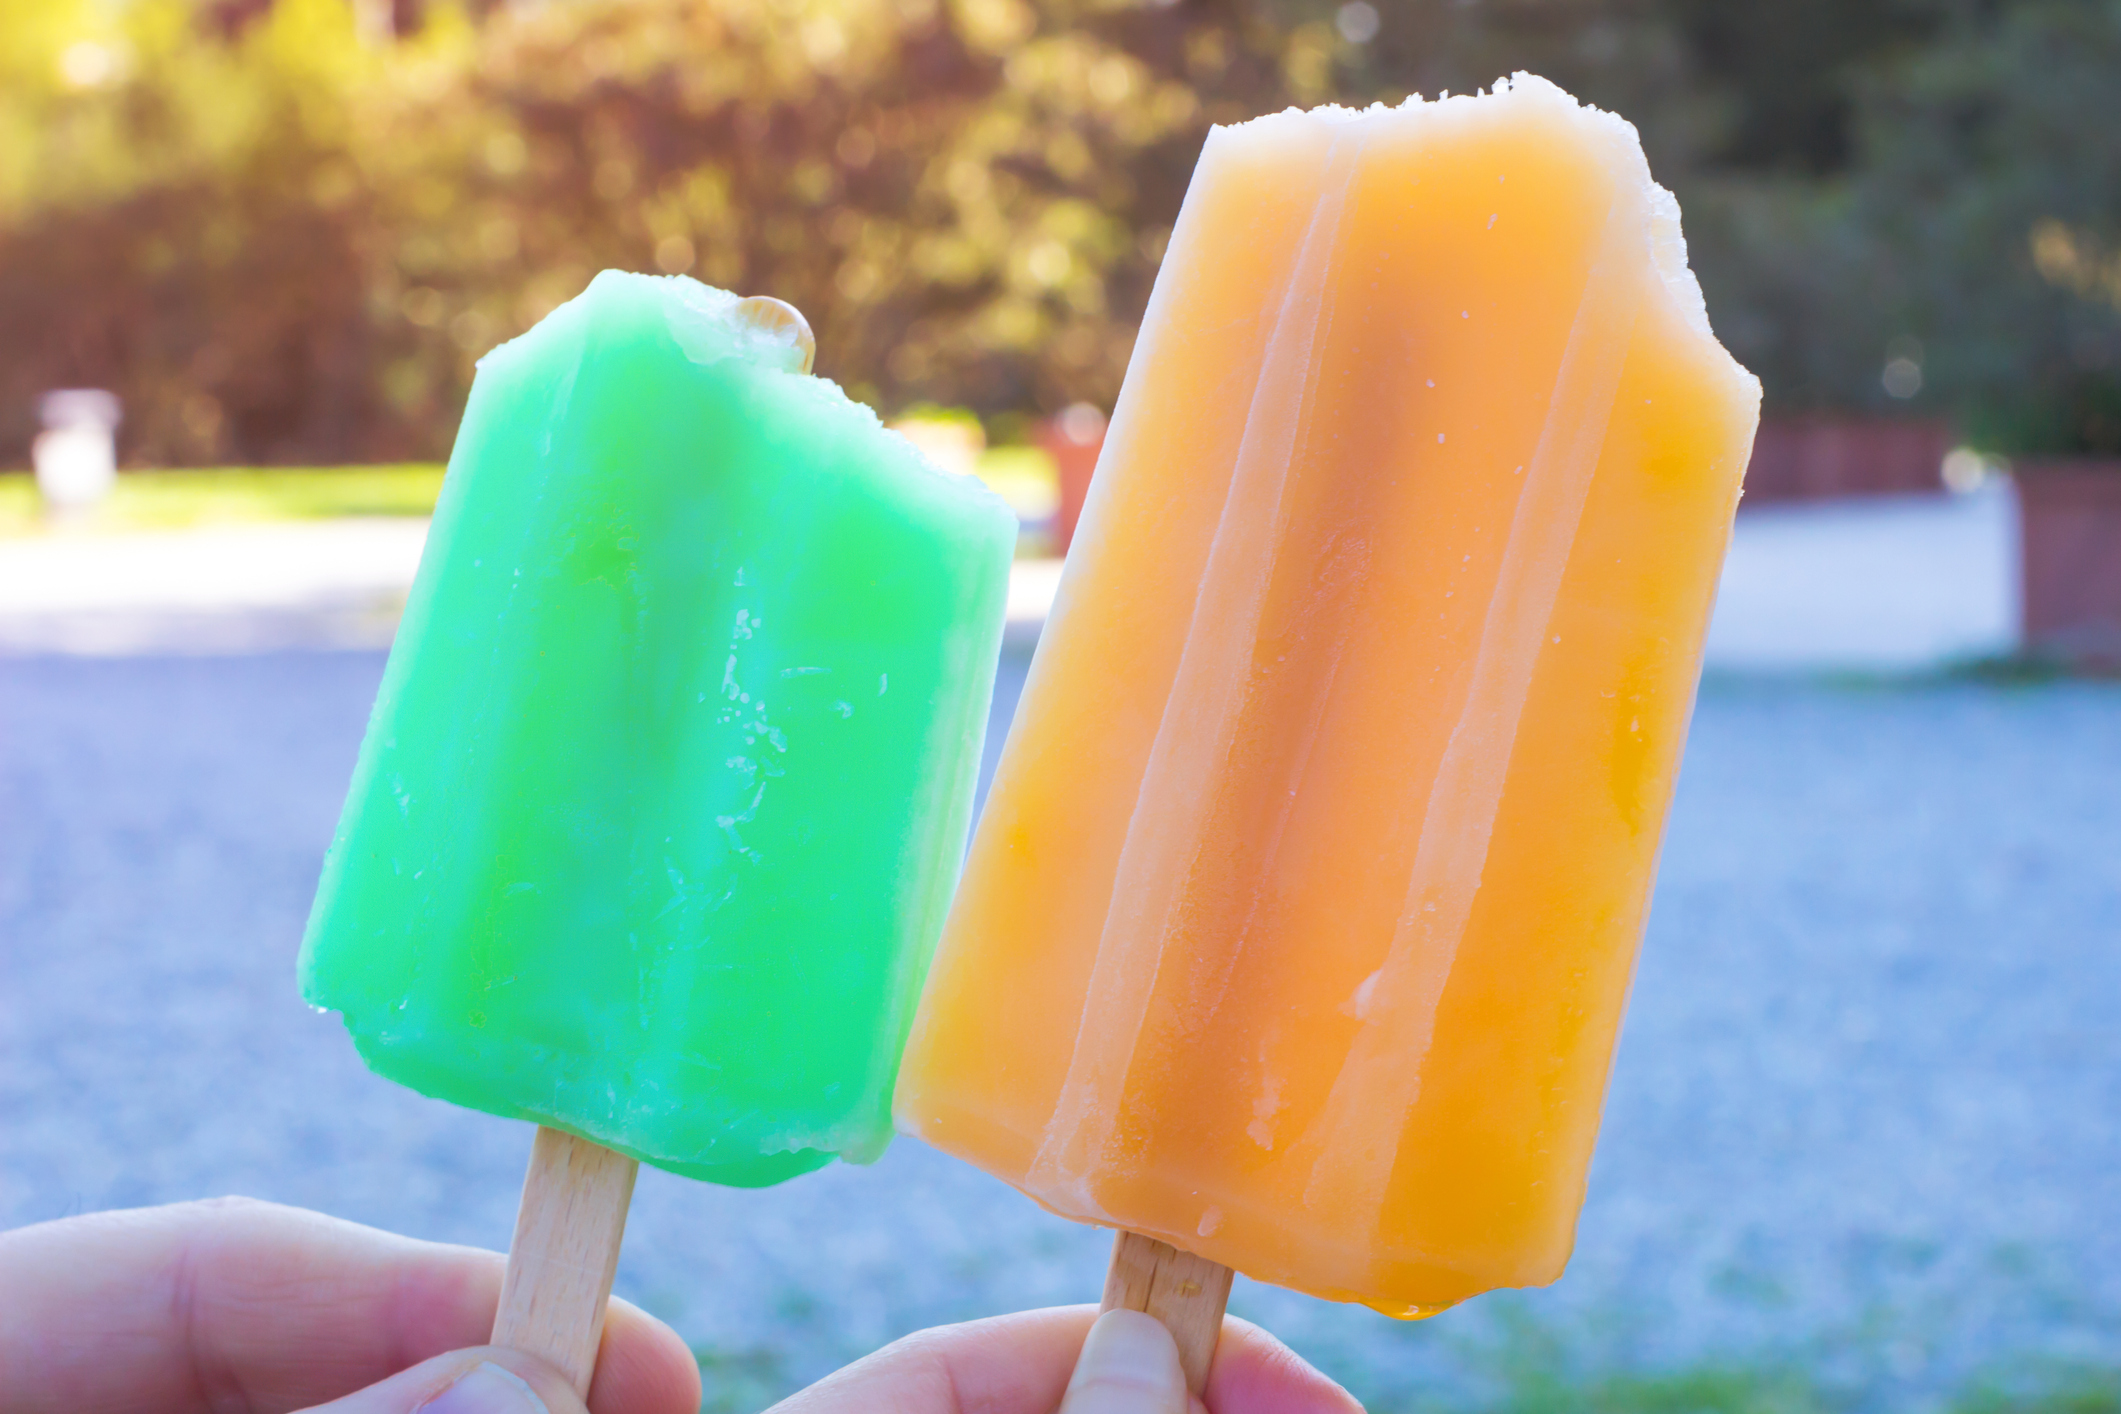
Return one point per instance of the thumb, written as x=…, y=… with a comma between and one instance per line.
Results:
x=1129, y=1365
x=482, y=1380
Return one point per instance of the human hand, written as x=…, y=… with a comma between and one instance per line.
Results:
x=1027, y=1364
x=235, y=1305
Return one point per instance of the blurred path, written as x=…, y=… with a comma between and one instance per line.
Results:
x=1883, y=584
x=255, y=588
x=1880, y=583
x=217, y=589
x=1862, y=1117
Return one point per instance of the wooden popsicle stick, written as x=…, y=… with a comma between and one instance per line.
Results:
x=565, y=1252
x=1185, y=1292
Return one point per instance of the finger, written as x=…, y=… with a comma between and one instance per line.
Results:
x=1253, y=1373
x=1002, y=1365
x=238, y=1304
x=483, y=1380
x=1021, y=1364
x=1129, y=1365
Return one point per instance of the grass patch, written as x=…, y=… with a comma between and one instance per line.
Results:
x=2029, y=669
x=1720, y=1389
x=1707, y=1390
x=739, y=1381
x=174, y=500
x=2064, y=1392
x=743, y=1381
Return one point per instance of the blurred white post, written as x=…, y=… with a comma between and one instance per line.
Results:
x=76, y=455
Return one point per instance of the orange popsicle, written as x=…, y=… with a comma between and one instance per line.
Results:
x=1299, y=924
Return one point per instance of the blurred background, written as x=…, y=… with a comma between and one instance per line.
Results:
x=1863, y=1149
x=282, y=230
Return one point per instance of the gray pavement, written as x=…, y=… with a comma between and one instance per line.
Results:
x=1870, y=582
x=1865, y=1114
x=1893, y=582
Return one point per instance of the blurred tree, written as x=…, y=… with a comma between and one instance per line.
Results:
x=283, y=236
x=950, y=192
x=1800, y=290
x=183, y=227
x=1869, y=216
x=1989, y=174
x=282, y=243
x=1787, y=74
x=1625, y=56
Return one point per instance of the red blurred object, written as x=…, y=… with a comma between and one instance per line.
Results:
x=1073, y=440
x=2069, y=518
x=1816, y=459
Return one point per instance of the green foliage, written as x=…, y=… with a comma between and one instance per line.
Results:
x=1976, y=231
x=1798, y=286
x=2069, y=1392
x=284, y=243
x=1993, y=179
x=290, y=244
x=739, y=1381
x=1705, y=1390
x=182, y=224
x=1788, y=72
x=1773, y=1389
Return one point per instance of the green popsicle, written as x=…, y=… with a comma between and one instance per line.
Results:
x=671, y=768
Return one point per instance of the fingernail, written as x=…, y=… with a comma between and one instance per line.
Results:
x=1129, y=1365
x=486, y=1388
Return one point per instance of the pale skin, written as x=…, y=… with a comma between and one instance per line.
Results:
x=239, y=1307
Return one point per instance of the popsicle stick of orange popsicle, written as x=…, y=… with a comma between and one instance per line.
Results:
x=1185, y=1292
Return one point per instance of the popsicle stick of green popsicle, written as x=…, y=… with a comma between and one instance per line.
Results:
x=565, y=1253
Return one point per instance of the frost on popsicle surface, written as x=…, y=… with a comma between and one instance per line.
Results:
x=635, y=846
x=1400, y=555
